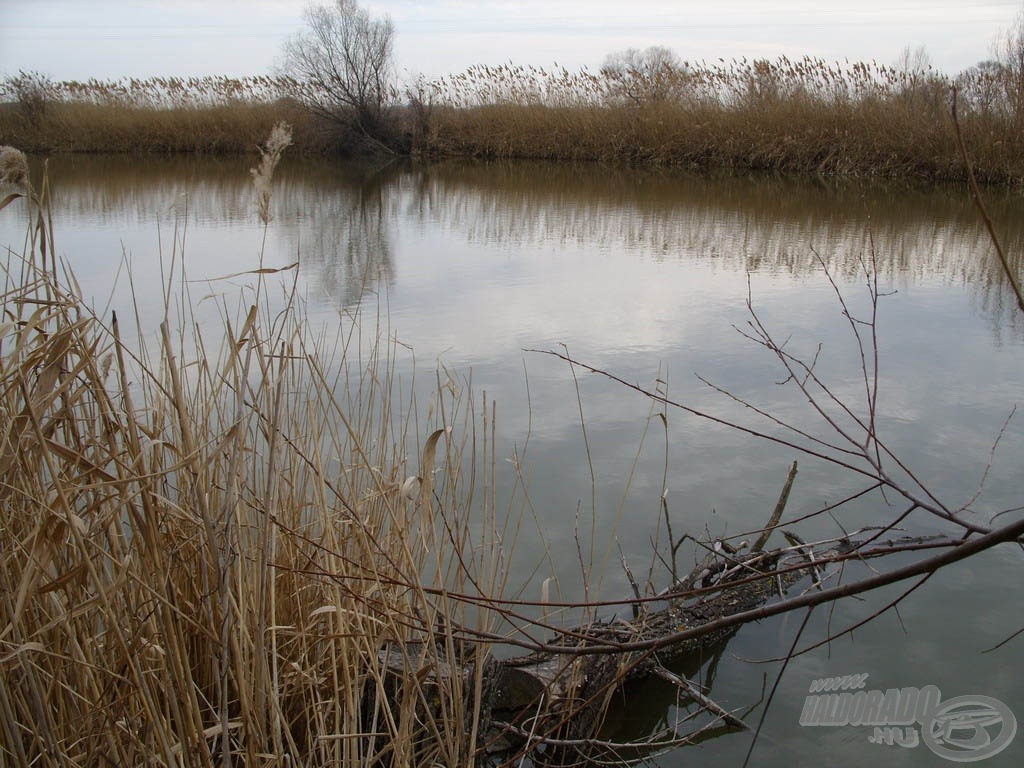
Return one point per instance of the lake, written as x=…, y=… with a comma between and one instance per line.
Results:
x=476, y=270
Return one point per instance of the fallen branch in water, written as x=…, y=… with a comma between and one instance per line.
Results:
x=559, y=694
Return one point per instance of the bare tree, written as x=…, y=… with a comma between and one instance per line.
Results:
x=652, y=75
x=981, y=87
x=1009, y=53
x=913, y=62
x=919, y=83
x=343, y=70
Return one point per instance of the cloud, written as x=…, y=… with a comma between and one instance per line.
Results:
x=78, y=40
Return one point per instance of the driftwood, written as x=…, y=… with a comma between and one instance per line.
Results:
x=725, y=582
x=578, y=686
x=558, y=695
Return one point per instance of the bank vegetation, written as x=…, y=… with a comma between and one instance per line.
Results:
x=211, y=537
x=643, y=108
x=804, y=116
x=247, y=545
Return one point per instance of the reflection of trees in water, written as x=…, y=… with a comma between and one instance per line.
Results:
x=345, y=245
x=741, y=223
x=335, y=216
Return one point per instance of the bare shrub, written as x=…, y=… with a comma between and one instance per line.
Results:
x=1009, y=51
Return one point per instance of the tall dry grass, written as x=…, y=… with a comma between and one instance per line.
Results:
x=791, y=116
x=803, y=116
x=215, y=115
x=217, y=545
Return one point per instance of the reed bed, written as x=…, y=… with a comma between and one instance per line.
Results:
x=216, y=545
x=215, y=115
x=801, y=116
x=806, y=116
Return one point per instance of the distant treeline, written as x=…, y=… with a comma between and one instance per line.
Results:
x=805, y=116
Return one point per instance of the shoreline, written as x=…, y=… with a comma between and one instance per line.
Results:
x=797, y=118
x=473, y=134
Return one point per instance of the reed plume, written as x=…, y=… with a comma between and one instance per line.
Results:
x=262, y=175
x=13, y=167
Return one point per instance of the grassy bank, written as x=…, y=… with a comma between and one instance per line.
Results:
x=213, y=540
x=806, y=117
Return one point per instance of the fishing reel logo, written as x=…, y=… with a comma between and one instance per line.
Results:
x=962, y=729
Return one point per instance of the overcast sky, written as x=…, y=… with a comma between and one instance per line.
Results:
x=78, y=39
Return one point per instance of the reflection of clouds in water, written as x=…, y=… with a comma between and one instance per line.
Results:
x=563, y=231
x=627, y=267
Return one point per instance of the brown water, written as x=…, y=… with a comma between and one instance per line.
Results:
x=646, y=275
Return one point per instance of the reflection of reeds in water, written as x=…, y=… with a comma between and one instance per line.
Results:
x=208, y=551
x=743, y=224
x=340, y=215
x=334, y=214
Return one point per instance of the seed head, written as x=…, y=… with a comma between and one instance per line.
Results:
x=13, y=167
x=280, y=137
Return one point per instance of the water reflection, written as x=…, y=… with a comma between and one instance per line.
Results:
x=643, y=272
x=742, y=224
x=340, y=224
x=339, y=218
x=335, y=219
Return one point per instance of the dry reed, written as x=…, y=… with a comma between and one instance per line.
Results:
x=209, y=558
x=213, y=115
x=13, y=167
x=804, y=116
x=263, y=175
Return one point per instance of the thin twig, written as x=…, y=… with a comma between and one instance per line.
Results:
x=697, y=695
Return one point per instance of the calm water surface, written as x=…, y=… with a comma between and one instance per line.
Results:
x=646, y=275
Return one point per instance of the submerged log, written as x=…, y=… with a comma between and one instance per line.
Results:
x=559, y=697
x=579, y=684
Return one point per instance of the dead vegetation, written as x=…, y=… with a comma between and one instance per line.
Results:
x=804, y=116
x=168, y=511
x=231, y=548
x=210, y=115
